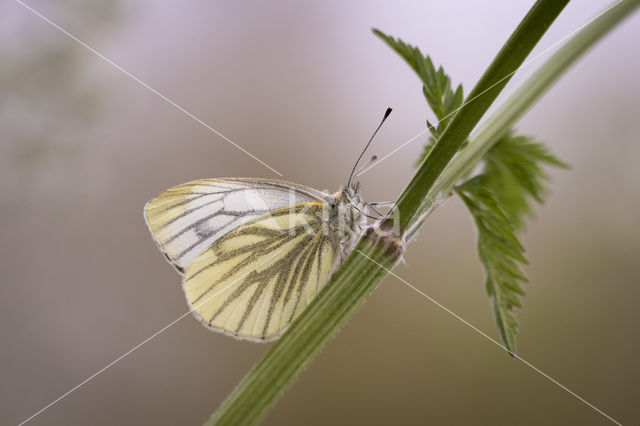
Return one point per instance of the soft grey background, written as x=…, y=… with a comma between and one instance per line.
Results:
x=301, y=85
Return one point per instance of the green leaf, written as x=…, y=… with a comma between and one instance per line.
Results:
x=500, y=199
x=436, y=87
x=514, y=172
x=500, y=252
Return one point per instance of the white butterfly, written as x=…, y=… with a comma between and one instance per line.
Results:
x=254, y=252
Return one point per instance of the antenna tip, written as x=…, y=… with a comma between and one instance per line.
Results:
x=386, y=114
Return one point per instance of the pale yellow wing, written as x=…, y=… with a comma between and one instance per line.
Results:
x=188, y=218
x=255, y=280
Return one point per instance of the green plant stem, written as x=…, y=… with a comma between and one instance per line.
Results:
x=358, y=276
x=502, y=68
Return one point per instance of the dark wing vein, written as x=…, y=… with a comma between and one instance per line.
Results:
x=261, y=279
x=303, y=279
x=290, y=277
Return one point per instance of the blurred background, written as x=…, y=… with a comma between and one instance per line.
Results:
x=301, y=86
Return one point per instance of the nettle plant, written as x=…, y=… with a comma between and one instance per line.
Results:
x=499, y=197
x=498, y=173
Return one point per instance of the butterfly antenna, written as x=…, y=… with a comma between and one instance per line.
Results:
x=367, y=164
x=386, y=114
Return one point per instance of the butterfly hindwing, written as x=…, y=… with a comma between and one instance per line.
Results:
x=188, y=218
x=255, y=280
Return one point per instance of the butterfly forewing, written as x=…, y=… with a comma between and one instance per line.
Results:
x=255, y=280
x=185, y=220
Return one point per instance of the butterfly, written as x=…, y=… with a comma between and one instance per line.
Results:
x=253, y=253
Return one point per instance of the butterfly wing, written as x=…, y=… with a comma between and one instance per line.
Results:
x=188, y=218
x=255, y=280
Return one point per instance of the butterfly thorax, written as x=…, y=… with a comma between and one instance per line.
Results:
x=346, y=216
